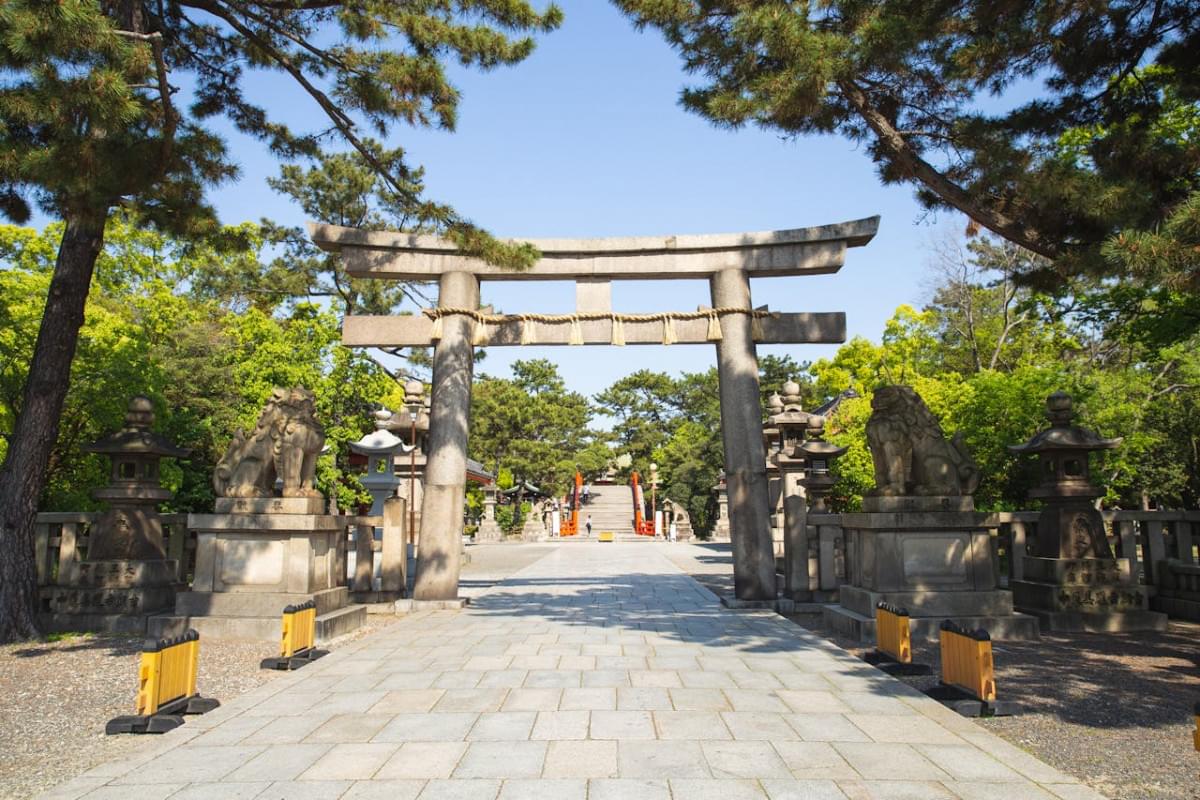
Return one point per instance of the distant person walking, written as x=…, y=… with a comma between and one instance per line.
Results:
x=588, y=524
x=672, y=531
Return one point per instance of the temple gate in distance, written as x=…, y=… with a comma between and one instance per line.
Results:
x=733, y=324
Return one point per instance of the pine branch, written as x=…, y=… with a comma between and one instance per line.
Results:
x=170, y=116
x=903, y=154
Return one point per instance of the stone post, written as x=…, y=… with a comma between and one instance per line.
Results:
x=393, y=577
x=795, y=548
x=742, y=435
x=1183, y=542
x=439, y=554
x=1018, y=550
x=364, y=558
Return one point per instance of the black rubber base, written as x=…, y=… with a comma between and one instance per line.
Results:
x=970, y=706
x=891, y=666
x=167, y=718
x=301, y=659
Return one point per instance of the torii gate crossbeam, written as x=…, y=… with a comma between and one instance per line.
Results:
x=727, y=261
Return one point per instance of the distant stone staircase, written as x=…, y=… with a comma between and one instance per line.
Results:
x=611, y=508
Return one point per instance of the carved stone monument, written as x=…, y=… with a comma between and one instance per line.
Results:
x=1073, y=581
x=127, y=575
x=676, y=513
x=918, y=543
x=258, y=552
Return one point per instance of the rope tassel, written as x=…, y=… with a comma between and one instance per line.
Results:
x=714, y=328
x=528, y=333
x=436, y=332
x=480, y=337
x=618, y=331
x=669, y=330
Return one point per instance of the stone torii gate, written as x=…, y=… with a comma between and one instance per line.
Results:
x=457, y=325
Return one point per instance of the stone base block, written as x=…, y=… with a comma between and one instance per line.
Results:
x=86, y=601
x=271, y=505
x=381, y=599
x=132, y=624
x=1180, y=607
x=125, y=574
x=263, y=629
x=1100, y=621
x=812, y=607
x=489, y=531
x=256, y=604
x=860, y=628
x=338, y=623
x=910, y=504
x=943, y=605
x=782, y=605
x=1083, y=572
x=409, y=606
x=1095, y=599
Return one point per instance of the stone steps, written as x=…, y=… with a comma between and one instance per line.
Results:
x=342, y=621
x=611, y=508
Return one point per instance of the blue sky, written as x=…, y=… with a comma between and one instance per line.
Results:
x=586, y=138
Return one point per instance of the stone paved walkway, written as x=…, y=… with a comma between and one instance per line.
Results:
x=599, y=671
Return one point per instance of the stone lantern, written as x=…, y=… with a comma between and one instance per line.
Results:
x=789, y=423
x=489, y=527
x=381, y=447
x=413, y=426
x=1073, y=581
x=1070, y=527
x=720, y=528
x=131, y=529
x=127, y=576
x=799, y=562
x=819, y=456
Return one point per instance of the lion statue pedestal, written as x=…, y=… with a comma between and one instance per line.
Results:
x=919, y=543
x=259, y=553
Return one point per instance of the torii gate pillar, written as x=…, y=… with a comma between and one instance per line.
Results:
x=741, y=435
x=449, y=423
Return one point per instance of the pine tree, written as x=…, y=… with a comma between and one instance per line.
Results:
x=1097, y=150
x=92, y=117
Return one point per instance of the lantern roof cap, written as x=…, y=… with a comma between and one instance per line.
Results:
x=137, y=438
x=1062, y=435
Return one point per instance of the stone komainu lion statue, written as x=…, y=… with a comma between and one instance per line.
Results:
x=285, y=444
x=911, y=454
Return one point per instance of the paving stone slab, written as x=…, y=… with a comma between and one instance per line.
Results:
x=595, y=672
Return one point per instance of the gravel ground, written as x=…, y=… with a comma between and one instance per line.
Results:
x=55, y=698
x=1115, y=710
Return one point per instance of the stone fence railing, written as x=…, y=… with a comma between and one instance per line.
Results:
x=1163, y=547
x=61, y=543
x=1152, y=540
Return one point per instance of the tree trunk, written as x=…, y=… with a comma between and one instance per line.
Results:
x=23, y=475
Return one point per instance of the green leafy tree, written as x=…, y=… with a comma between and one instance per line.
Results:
x=90, y=120
x=1100, y=147
x=531, y=426
x=643, y=403
x=208, y=366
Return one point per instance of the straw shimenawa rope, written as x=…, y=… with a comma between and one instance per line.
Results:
x=481, y=334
